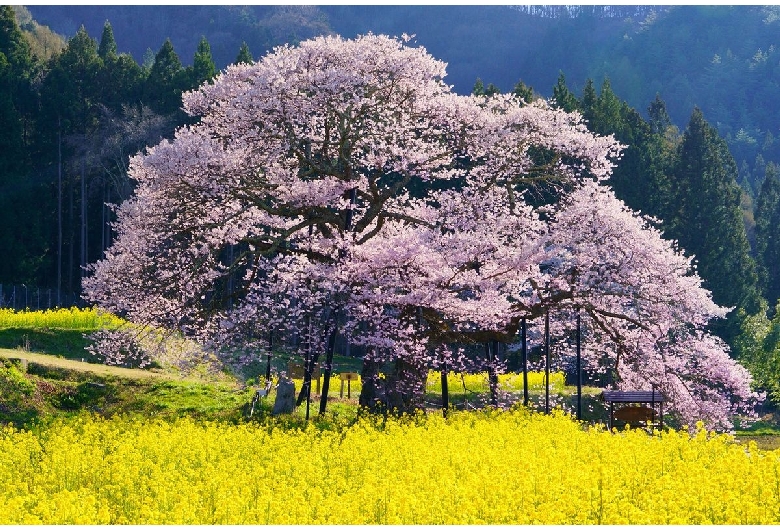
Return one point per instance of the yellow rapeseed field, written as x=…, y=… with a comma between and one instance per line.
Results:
x=487, y=467
x=459, y=383
x=74, y=318
x=478, y=382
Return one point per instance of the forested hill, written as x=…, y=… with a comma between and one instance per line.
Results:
x=496, y=42
x=141, y=30
x=723, y=59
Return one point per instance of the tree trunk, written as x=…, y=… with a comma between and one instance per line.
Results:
x=71, y=236
x=406, y=387
x=491, y=351
x=372, y=396
x=268, y=356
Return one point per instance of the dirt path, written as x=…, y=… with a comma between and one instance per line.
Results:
x=102, y=369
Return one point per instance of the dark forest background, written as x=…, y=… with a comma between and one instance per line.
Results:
x=692, y=91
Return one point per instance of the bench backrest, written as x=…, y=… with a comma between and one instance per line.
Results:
x=634, y=414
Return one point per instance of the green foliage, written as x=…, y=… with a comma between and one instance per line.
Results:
x=480, y=89
x=13, y=45
x=45, y=392
x=12, y=381
x=12, y=148
x=44, y=43
x=659, y=117
x=166, y=82
x=524, y=92
x=121, y=81
x=563, y=98
x=707, y=221
x=25, y=239
x=16, y=96
x=17, y=400
x=767, y=247
x=689, y=185
x=641, y=179
x=107, y=49
x=70, y=90
x=588, y=101
x=120, y=77
x=244, y=55
x=758, y=348
x=203, y=67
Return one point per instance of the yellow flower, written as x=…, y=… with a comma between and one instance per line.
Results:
x=510, y=467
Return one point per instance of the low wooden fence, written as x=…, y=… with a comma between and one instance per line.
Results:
x=23, y=296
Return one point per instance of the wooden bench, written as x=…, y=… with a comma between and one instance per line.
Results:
x=637, y=408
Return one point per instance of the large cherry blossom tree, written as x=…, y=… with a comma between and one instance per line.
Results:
x=340, y=186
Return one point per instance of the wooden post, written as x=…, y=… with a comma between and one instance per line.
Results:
x=611, y=413
x=348, y=377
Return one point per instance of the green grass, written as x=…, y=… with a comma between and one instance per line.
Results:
x=168, y=399
x=53, y=362
x=52, y=374
x=62, y=378
x=39, y=392
x=766, y=426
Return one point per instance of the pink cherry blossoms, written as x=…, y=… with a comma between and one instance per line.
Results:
x=340, y=186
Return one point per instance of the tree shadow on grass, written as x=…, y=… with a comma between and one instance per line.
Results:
x=68, y=344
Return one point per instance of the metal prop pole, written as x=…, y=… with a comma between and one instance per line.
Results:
x=547, y=362
x=524, y=354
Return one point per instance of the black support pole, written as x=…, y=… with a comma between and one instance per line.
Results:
x=328, y=370
x=445, y=392
x=547, y=362
x=524, y=354
x=579, y=367
x=308, y=368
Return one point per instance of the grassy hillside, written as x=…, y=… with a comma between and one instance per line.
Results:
x=45, y=373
